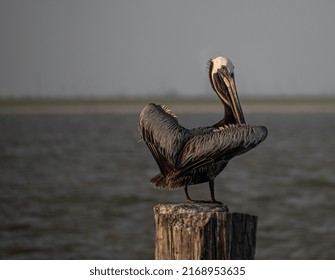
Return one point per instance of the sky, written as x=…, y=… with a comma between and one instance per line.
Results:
x=140, y=47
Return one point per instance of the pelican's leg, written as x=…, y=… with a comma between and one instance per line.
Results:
x=188, y=199
x=211, y=189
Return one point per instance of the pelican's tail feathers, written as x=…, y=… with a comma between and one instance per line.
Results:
x=165, y=182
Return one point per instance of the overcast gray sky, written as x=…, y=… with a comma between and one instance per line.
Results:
x=82, y=47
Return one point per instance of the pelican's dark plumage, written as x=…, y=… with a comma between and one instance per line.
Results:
x=192, y=156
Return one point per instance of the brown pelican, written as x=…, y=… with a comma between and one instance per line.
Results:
x=192, y=156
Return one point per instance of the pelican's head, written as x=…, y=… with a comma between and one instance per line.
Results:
x=221, y=75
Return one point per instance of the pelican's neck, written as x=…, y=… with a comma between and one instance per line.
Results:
x=228, y=117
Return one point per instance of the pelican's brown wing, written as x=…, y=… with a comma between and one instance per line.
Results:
x=163, y=135
x=219, y=144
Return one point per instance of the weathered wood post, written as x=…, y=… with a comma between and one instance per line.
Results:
x=203, y=231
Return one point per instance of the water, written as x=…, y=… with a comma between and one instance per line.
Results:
x=77, y=186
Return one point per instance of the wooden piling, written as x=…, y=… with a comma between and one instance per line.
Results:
x=203, y=231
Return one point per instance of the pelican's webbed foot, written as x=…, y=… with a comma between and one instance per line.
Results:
x=215, y=201
x=199, y=201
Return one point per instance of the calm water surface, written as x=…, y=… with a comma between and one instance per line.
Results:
x=77, y=186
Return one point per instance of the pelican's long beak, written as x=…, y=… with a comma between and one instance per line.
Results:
x=223, y=82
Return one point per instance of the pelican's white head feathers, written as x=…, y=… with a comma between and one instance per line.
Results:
x=222, y=61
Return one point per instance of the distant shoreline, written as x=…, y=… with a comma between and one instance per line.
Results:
x=128, y=109
x=185, y=105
